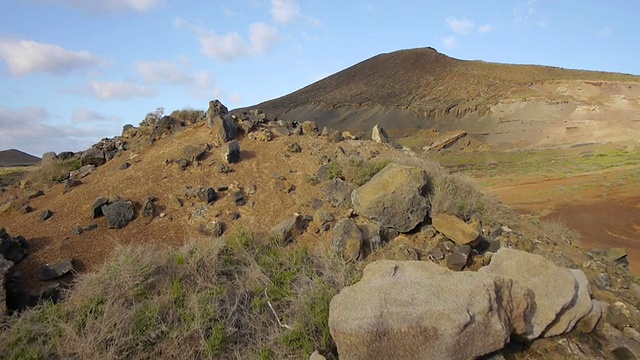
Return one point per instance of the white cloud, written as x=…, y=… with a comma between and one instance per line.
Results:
x=161, y=72
x=460, y=26
x=486, y=28
x=232, y=45
x=83, y=115
x=449, y=42
x=284, y=11
x=605, y=32
x=112, y=5
x=27, y=129
x=26, y=56
x=179, y=23
x=527, y=14
x=120, y=90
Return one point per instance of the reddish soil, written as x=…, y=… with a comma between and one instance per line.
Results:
x=603, y=216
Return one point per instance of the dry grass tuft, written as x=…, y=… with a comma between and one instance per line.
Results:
x=241, y=298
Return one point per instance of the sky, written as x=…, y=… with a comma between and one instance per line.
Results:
x=75, y=71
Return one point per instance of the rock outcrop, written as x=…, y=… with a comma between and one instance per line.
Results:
x=119, y=213
x=455, y=229
x=395, y=197
x=347, y=239
x=419, y=310
x=379, y=135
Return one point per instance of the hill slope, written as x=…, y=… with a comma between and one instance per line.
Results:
x=422, y=88
x=15, y=157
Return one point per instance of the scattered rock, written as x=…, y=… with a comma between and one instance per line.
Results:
x=214, y=229
x=224, y=169
x=26, y=208
x=124, y=166
x=70, y=184
x=83, y=172
x=220, y=121
x=34, y=194
x=51, y=272
x=45, y=215
x=347, y=239
x=96, y=208
x=603, y=280
x=293, y=147
x=379, y=135
x=239, y=198
x=337, y=192
x=148, y=209
x=316, y=356
x=261, y=135
x=119, y=213
x=455, y=229
x=419, y=310
x=48, y=157
x=194, y=153
x=183, y=163
x=207, y=195
x=623, y=353
x=288, y=229
x=459, y=258
x=395, y=197
x=231, y=152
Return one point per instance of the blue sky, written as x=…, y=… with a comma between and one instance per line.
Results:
x=75, y=71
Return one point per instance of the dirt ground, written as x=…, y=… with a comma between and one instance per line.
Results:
x=602, y=209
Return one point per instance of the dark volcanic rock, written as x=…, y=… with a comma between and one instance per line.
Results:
x=221, y=122
x=337, y=192
x=347, y=239
x=119, y=214
x=93, y=156
x=231, y=152
x=148, y=209
x=12, y=249
x=45, y=215
x=97, y=207
x=207, y=195
x=51, y=272
x=70, y=184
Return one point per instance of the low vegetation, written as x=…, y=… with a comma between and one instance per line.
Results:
x=244, y=298
x=12, y=175
x=52, y=172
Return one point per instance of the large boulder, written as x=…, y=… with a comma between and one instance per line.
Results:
x=395, y=197
x=119, y=213
x=231, y=152
x=562, y=296
x=288, y=229
x=419, y=310
x=455, y=229
x=93, y=156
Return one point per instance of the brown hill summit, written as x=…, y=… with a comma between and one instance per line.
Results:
x=422, y=88
x=15, y=157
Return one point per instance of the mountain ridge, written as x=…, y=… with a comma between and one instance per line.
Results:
x=14, y=157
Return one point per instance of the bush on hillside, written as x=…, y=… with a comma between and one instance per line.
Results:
x=188, y=116
x=209, y=299
x=52, y=172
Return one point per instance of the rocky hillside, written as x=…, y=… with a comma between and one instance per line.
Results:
x=15, y=157
x=421, y=88
x=238, y=236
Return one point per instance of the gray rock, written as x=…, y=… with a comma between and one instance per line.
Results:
x=93, y=156
x=623, y=353
x=288, y=229
x=231, y=152
x=395, y=197
x=83, y=172
x=12, y=249
x=603, y=280
x=309, y=128
x=49, y=157
x=207, y=195
x=337, y=192
x=347, y=239
x=119, y=214
x=316, y=356
x=70, y=184
x=419, y=310
x=96, y=208
x=214, y=229
x=194, y=153
x=578, y=309
x=124, y=166
x=51, y=272
x=293, y=147
x=221, y=122
x=34, y=194
x=148, y=209
x=457, y=260
x=46, y=215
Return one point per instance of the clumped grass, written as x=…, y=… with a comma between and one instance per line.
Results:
x=242, y=298
x=365, y=170
x=559, y=232
x=49, y=173
x=188, y=116
x=12, y=175
x=334, y=171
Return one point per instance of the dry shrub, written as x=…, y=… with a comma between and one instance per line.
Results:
x=209, y=299
x=51, y=172
x=559, y=232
